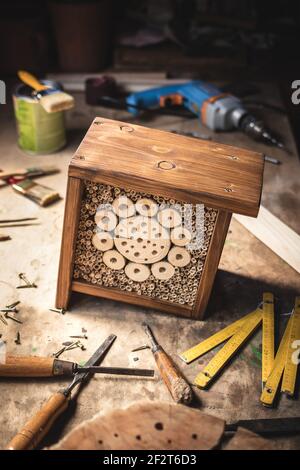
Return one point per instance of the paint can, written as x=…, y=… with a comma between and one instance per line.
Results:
x=39, y=132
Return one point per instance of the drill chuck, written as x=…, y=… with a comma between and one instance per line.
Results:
x=255, y=129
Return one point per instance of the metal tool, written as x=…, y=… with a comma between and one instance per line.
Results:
x=35, y=366
x=62, y=311
x=217, y=110
x=79, y=336
x=27, y=284
x=141, y=348
x=18, y=338
x=37, y=427
x=267, y=427
x=178, y=387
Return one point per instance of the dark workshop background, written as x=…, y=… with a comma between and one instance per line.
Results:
x=217, y=40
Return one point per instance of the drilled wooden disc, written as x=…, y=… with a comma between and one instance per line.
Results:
x=179, y=256
x=113, y=259
x=106, y=220
x=142, y=240
x=147, y=425
x=103, y=241
x=169, y=218
x=146, y=207
x=180, y=236
x=162, y=270
x=137, y=272
x=123, y=207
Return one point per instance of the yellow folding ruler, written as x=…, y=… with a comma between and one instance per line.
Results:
x=268, y=335
x=214, y=340
x=271, y=386
x=230, y=348
x=286, y=361
x=293, y=355
x=236, y=334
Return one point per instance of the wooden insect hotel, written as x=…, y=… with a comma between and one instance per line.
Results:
x=147, y=213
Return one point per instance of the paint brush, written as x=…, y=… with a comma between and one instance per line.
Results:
x=30, y=172
x=52, y=99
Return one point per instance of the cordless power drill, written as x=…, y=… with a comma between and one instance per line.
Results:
x=217, y=110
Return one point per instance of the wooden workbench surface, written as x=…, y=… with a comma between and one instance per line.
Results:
x=247, y=269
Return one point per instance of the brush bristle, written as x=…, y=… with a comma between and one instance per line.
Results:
x=58, y=101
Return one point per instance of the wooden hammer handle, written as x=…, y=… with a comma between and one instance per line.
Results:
x=178, y=387
x=38, y=426
x=34, y=366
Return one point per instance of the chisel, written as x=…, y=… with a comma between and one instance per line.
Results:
x=178, y=387
x=34, y=366
x=38, y=426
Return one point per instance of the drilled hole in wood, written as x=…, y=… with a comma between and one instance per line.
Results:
x=113, y=260
x=116, y=435
x=124, y=243
x=166, y=165
x=105, y=220
x=100, y=442
x=178, y=256
x=138, y=437
x=162, y=270
x=123, y=207
x=136, y=254
x=194, y=436
x=136, y=271
x=139, y=240
x=154, y=252
x=145, y=207
x=159, y=426
x=103, y=240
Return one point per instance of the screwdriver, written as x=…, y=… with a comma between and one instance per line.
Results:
x=178, y=387
x=34, y=366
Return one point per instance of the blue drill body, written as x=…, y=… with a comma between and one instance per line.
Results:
x=217, y=110
x=193, y=93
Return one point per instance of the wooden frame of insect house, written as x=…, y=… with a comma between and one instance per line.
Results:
x=147, y=213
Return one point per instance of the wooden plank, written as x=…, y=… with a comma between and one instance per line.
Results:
x=248, y=440
x=131, y=298
x=217, y=175
x=211, y=263
x=275, y=235
x=131, y=82
x=71, y=218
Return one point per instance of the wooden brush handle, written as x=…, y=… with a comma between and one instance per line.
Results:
x=31, y=80
x=35, y=429
x=33, y=366
x=178, y=387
